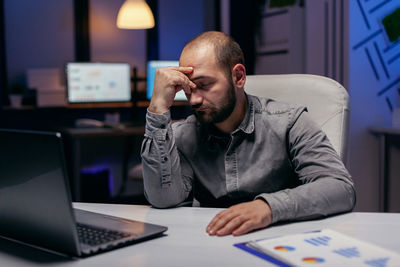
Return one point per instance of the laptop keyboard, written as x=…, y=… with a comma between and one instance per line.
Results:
x=94, y=236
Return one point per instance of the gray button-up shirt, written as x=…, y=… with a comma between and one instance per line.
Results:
x=277, y=153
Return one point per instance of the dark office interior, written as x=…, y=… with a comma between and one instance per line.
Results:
x=344, y=40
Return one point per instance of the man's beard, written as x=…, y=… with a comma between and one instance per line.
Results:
x=214, y=114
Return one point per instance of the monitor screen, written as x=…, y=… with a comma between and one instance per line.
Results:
x=152, y=66
x=98, y=82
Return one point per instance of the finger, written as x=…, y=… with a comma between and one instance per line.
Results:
x=184, y=85
x=185, y=70
x=185, y=81
x=192, y=84
x=188, y=82
x=187, y=90
x=231, y=226
x=219, y=221
x=216, y=218
x=209, y=228
x=244, y=228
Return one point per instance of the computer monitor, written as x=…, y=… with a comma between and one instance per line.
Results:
x=152, y=66
x=98, y=83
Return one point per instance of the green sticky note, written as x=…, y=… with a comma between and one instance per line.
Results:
x=392, y=25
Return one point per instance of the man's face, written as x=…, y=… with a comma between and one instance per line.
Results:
x=214, y=97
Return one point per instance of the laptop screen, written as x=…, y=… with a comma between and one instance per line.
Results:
x=35, y=206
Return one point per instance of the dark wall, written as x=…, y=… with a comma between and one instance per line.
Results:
x=68, y=37
x=178, y=22
x=244, y=22
x=81, y=30
x=3, y=73
x=38, y=34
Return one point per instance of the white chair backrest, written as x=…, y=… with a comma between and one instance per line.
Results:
x=326, y=100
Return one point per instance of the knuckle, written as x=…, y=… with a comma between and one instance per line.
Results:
x=219, y=215
x=238, y=219
x=181, y=79
x=222, y=221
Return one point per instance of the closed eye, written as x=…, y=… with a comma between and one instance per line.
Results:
x=204, y=86
x=204, y=82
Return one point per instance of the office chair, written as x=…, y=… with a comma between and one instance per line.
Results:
x=326, y=100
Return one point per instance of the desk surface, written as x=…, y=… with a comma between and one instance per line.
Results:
x=187, y=244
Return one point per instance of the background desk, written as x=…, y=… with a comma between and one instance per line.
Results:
x=101, y=140
x=187, y=244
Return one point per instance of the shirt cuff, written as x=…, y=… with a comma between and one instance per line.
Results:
x=156, y=123
x=279, y=203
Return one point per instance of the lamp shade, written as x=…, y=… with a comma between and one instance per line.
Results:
x=135, y=14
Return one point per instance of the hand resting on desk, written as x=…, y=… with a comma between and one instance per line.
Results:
x=241, y=219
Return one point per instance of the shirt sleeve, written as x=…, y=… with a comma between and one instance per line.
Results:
x=325, y=185
x=163, y=183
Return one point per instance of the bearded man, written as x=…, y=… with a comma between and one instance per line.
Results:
x=263, y=160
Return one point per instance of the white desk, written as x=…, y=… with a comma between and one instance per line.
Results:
x=187, y=244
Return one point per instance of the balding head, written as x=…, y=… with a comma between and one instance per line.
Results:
x=227, y=52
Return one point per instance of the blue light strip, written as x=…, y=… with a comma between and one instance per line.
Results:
x=101, y=168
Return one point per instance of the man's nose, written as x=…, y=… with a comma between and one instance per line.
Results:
x=195, y=98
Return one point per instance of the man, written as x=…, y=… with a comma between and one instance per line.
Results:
x=266, y=161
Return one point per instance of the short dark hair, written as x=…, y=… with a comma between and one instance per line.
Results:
x=227, y=51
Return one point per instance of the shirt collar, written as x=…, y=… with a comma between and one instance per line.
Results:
x=247, y=125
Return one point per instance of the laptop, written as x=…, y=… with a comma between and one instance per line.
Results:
x=36, y=207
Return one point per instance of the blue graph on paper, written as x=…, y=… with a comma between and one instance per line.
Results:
x=348, y=252
x=377, y=262
x=318, y=241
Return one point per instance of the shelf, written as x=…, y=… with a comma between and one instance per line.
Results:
x=140, y=104
x=146, y=103
x=100, y=105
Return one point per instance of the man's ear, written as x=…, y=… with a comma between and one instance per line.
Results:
x=239, y=75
